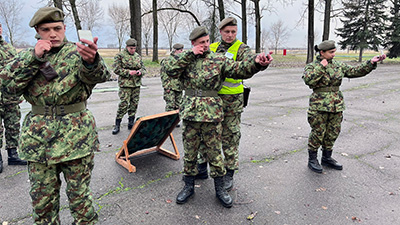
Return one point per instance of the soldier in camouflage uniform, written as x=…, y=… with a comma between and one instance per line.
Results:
x=129, y=67
x=325, y=113
x=231, y=94
x=202, y=73
x=59, y=134
x=10, y=111
x=172, y=87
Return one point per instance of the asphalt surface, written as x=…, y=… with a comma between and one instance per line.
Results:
x=273, y=185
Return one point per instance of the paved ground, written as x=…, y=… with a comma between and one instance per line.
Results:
x=273, y=185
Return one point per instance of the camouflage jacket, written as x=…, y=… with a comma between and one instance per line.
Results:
x=206, y=72
x=169, y=83
x=123, y=62
x=317, y=76
x=7, y=53
x=48, y=138
x=233, y=104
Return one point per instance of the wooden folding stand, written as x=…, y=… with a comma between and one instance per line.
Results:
x=149, y=134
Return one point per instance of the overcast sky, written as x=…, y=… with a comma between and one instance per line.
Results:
x=290, y=15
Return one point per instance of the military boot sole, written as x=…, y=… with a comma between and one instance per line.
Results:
x=314, y=169
x=332, y=165
x=17, y=163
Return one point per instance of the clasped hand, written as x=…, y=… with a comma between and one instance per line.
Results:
x=264, y=60
x=378, y=58
x=88, y=50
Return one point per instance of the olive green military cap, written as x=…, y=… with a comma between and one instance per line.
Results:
x=327, y=45
x=47, y=15
x=229, y=21
x=131, y=42
x=198, y=32
x=177, y=46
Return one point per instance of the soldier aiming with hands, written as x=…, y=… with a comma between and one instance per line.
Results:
x=202, y=73
x=59, y=134
x=325, y=113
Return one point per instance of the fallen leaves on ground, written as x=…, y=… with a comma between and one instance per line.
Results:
x=251, y=216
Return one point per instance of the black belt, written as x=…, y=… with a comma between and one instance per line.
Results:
x=201, y=93
x=326, y=89
x=58, y=110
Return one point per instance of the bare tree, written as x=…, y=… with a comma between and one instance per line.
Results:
x=155, y=31
x=91, y=14
x=58, y=4
x=136, y=23
x=310, y=45
x=119, y=15
x=75, y=15
x=147, y=25
x=170, y=21
x=327, y=20
x=10, y=15
x=221, y=10
x=278, y=34
x=244, y=21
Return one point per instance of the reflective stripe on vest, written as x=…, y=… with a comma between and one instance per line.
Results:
x=230, y=86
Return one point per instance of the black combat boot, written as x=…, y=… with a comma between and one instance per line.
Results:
x=203, y=172
x=117, y=126
x=229, y=180
x=131, y=121
x=1, y=163
x=221, y=193
x=327, y=160
x=13, y=158
x=187, y=191
x=313, y=163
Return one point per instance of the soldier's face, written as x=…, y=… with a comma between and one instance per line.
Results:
x=228, y=33
x=329, y=54
x=53, y=32
x=204, y=42
x=178, y=51
x=131, y=49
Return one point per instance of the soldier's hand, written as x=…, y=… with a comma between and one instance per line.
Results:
x=41, y=47
x=378, y=58
x=88, y=52
x=198, y=50
x=324, y=62
x=263, y=59
x=132, y=72
x=138, y=73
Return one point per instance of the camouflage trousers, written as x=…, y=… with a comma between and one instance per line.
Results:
x=325, y=129
x=129, y=100
x=173, y=99
x=230, y=142
x=10, y=115
x=204, y=138
x=45, y=190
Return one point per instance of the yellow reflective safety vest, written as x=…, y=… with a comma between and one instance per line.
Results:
x=230, y=86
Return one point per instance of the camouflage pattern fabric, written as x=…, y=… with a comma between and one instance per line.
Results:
x=206, y=72
x=325, y=129
x=233, y=107
x=11, y=116
x=45, y=189
x=173, y=99
x=325, y=108
x=318, y=76
x=9, y=109
x=172, y=89
x=129, y=100
x=123, y=63
x=206, y=138
x=44, y=137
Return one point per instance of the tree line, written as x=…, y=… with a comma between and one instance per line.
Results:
x=366, y=24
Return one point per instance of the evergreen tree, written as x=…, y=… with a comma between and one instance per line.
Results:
x=393, y=31
x=363, y=25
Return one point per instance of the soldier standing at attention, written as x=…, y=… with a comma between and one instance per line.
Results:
x=128, y=65
x=10, y=112
x=325, y=112
x=59, y=134
x=231, y=94
x=202, y=73
x=172, y=87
